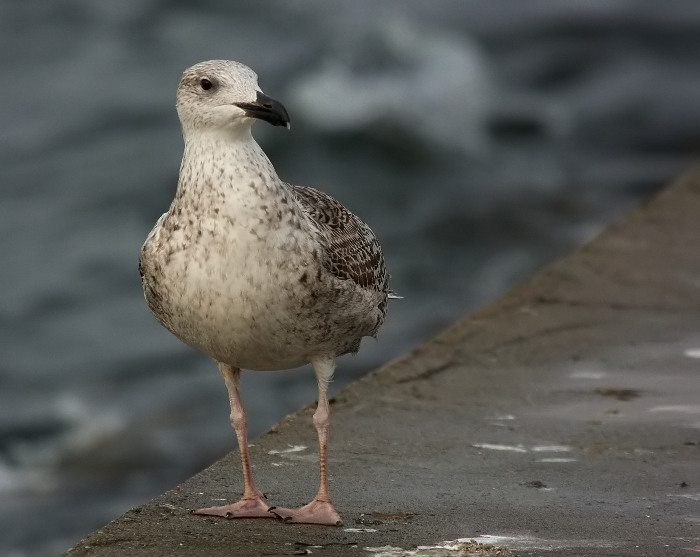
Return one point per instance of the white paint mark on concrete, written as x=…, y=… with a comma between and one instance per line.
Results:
x=497, y=447
x=454, y=548
x=692, y=353
x=359, y=530
x=679, y=408
x=531, y=542
x=470, y=546
x=551, y=449
x=389, y=551
x=691, y=496
x=557, y=460
x=501, y=417
x=521, y=449
x=290, y=449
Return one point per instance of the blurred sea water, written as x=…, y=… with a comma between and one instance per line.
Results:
x=479, y=140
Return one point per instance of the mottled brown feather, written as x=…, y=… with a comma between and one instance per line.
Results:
x=352, y=250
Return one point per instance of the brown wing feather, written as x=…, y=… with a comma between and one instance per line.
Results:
x=353, y=251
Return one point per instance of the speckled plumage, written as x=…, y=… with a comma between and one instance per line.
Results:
x=253, y=271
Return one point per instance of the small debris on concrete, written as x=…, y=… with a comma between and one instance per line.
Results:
x=401, y=515
x=619, y=394
x=536, y=484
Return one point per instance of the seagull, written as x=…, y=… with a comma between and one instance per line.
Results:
x=254, y=272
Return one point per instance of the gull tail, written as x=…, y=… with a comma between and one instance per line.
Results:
x=394, y=296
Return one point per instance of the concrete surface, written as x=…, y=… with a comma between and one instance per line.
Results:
x=562, y=419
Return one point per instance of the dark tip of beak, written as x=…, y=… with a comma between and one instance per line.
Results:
x=266, y=108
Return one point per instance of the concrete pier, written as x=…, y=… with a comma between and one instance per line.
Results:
x=562, y=419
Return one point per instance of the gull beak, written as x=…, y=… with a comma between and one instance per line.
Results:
x=266, y=108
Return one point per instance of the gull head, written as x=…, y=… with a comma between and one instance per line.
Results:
x=221, y=95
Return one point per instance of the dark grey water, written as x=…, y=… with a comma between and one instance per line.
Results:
x=478, y=139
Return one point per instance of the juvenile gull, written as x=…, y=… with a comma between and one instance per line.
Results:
x=254, y=272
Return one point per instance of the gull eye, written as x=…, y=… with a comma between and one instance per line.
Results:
x=205, y=84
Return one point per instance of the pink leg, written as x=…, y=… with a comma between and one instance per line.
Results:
x=320, y=510
x=252, y=504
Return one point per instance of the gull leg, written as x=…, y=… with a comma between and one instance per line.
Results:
x=320, y=510
x=252, y=504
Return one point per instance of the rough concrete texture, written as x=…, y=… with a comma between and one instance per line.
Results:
x=563, y=419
